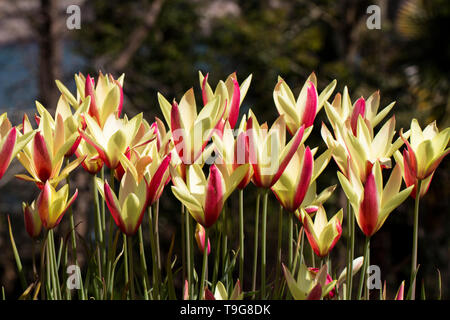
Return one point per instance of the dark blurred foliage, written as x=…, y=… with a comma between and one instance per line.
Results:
x=407, y=60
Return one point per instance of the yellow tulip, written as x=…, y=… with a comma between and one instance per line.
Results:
x=269, y=154
x=423, y=154
x=52, y=204
x=323, y=234
x=204, y=198
x=302, y=111
x=371, y=203
x=44, y=156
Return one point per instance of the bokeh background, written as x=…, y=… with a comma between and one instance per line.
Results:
x=162, y=44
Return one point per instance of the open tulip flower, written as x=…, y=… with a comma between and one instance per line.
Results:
x=311, y=284
x=92, y=162
x=127, y=210
x=52, y=204
x=233, y=153
x=221, y=292
x=322, y=234
x=33, y=223
x=302, y=111
x=106, y=98
x=191, y=132
x=299, y=174
x=268, y=151
x=342, y=113
x=362, y=150
x=114, y=139
x=204, y=198
x=229, y=93
x=11, y=142
x=44, y=156
x=371, y=203
x=422, y=155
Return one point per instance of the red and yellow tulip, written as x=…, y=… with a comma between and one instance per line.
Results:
x=33, y=223
x=302, y=111
x=299, y=174
x=52, y=204
x=422, y=155
x=268, y=151
x=44, y=156
x=323, y=234
x=204, y=197
x=371, y=202
x=11, y=142
x=230, y=94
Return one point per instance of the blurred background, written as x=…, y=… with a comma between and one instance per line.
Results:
x=161, y=45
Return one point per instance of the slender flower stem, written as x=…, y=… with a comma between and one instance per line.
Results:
x=241, y=237
x=204, y=267
x=158, y=252
x=291, y=240
x=255, y=245
x=125, y=262
x=42, y=269
x=216, y=261
x=183, y=244
x=298, y=251
x=364, y=268
x=263, y=245
x=130, y=259
x=110, y=242
x=188, y=255
x=98, y=223
x=154, y=258
x=224, y=239
x=280, y=234
x=415, y=241
x=145, y=280
x=350, y=249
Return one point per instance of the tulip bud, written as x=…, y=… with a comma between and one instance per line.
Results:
x=33, y=223
x=200, y=238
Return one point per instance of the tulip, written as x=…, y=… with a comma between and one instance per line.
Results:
x=361, y=151
x=127, y=210
x=33, y=223
x=92, y=162
x=322, y=234
x=299, y=174
x=52, y=204
x=105, y=98
x=229, y=93
x=220, y=293
x=233, y=153
x=44, y=157
x=423, y=154
x=342, y=114
x=269, y=154
x=308, y=104
x=329, y=280
x=311, y=284
x=113, y=139
x=371, y=203
x=200, y=238
x=204, y=198
x=191, y=132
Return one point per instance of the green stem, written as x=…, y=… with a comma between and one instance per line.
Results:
x=364, y=268
x=291, y=240
x=125, y=262
x=131, y=269
x=154, y=258
x=277, y=267
x=255, y=243
x=263, y=245
x=98, y=224
x=216, y=261
x=183, y=245
x=42, y=269
x=145, y=280
x=415, y=241
x=224, y=240
x=188, y=255
x=158, y=252
x=241, y=238
x=204, y=267
x=350, y=249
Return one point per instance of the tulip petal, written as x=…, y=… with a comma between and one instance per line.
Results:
x=369, y=207
x=235, y=103
x=6, y=151
x=214, y=196
x=310, y=110
x=113, y=206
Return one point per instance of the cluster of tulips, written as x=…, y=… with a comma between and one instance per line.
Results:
x=206, y=156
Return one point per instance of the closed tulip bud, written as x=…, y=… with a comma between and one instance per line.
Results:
x=33, y=223
x=200, y=238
